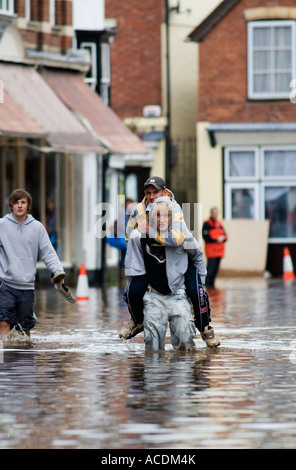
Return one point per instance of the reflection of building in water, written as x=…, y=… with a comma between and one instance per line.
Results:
x=162, y=384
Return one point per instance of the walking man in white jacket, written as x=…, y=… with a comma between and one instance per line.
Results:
x=22, y=240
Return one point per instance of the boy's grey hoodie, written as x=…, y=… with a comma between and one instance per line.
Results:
x=20, y=245
x=176, y=255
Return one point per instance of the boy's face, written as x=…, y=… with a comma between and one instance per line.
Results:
x=152, y=193
x=20, y=209
x=163, y=220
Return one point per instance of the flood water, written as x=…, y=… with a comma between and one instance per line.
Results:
x=78, y=386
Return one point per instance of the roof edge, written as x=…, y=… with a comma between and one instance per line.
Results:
x=201, y=31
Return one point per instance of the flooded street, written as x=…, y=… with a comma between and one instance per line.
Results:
x=78, y=386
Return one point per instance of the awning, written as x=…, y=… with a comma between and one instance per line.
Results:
x=32, y=96
x=15, y=122
x=252, y=133
x=98, y=118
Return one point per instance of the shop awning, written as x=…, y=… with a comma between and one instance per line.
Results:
x=30, y=95
x=93, y=113
x=15, y=122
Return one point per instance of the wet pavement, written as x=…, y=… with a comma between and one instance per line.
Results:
x=78, y=386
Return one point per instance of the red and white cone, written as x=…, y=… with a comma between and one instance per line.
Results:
x=82, y=291
x=288, y=270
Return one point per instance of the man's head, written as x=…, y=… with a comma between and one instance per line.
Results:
x=161, y=215
x=214, y=213
x=154, y=187
x=20, y=203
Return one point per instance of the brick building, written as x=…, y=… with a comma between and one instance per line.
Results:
x=136, y=82
x=246, y=128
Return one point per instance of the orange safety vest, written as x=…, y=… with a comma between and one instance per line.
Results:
x=215, y=250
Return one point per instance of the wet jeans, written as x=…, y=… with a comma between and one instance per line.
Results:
x=159, y=310
x=138, y=285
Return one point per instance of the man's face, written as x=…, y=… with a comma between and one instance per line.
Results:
x=214, y=214
x=20, y=209
x=163, y=220
x=152, y=193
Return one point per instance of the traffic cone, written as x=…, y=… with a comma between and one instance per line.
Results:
x=82, y=284
x=288, y=270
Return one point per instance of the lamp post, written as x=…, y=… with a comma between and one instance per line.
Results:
x=168, y=94
x=168, y=152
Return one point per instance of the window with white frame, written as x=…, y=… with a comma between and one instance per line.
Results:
x=7, y=6
x=105, y=72
x=260, y=183
x=271, y=58
x=92, y=75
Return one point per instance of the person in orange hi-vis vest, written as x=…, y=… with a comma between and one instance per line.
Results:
x=215, y=237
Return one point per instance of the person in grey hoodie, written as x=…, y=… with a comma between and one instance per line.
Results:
x=155, y=187
x=165, y=265
x=22, y=240
x=165, y=301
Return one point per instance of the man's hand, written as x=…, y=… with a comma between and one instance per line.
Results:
x=65, y=292
x=143, y=225
x=57, y=280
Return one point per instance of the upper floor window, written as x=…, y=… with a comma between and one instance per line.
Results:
x=105, y=72
x=7, y=6
x=92, y=76
x=271, y=59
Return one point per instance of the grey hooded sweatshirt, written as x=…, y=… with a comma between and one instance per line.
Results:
x=20, y=245
x=176, y=255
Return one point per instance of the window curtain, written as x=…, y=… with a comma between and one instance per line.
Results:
x=241, y=164
x=280, y=163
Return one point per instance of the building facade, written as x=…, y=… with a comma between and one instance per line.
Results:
x=246, y=158
x=57, y=135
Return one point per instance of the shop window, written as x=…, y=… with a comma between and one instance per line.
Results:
x=242, y=201
x=260, y=183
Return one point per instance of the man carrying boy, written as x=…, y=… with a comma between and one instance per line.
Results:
x=22, y=239
x=154, y=188
x=166, y=300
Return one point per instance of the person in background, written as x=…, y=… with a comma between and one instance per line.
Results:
x=121, y=225
x=154, y=188
x=22, y=240
x=50, y=222
x=116, y=239
x=215, y=237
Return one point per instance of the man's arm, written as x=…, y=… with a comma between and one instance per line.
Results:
x=134, y=260
x=137, y=215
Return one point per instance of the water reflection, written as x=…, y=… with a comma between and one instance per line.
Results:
x=77, y=385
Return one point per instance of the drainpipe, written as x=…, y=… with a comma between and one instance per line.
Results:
x=168, y=91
